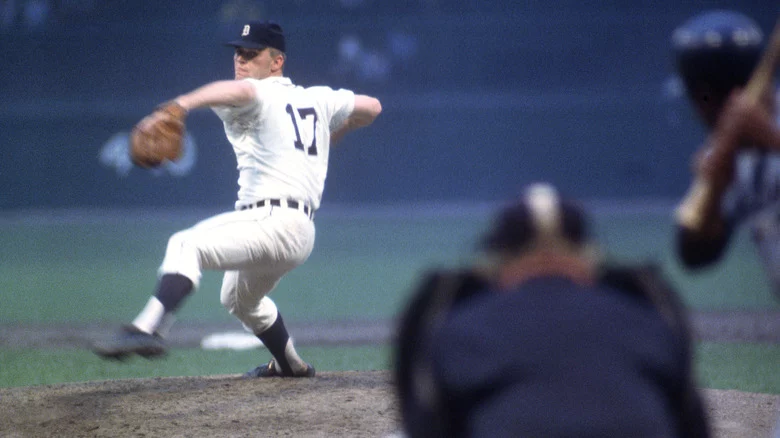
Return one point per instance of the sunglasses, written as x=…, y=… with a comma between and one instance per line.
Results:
x=247, y=54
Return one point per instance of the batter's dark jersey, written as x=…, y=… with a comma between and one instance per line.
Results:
x=555, y=359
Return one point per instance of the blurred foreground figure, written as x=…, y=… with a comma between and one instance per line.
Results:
x=715, y=53
x=543, y=342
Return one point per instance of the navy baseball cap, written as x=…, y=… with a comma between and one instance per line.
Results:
x=259, y=35
x=540, y=217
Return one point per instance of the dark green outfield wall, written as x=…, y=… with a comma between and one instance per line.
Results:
x=479, y=97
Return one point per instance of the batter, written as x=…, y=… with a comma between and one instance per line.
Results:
x=716, y=52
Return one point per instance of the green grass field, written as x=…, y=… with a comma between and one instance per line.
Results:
x=747, y=367
x=363, y=266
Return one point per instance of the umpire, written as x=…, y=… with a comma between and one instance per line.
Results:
x=544, y=342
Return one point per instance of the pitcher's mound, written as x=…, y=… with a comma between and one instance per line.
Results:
x=339, y=404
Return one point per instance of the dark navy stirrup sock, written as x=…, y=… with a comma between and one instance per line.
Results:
x=275, y=339
x=172, y=290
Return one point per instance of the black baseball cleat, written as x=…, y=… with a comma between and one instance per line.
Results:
x=269, y=370
x=128, y=341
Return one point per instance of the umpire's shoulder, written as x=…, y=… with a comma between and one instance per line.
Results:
x=627, y=277
x=454, y=285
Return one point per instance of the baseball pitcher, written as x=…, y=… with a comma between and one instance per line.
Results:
x=281, y=134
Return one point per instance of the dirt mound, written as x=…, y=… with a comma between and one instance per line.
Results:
x=343, y=404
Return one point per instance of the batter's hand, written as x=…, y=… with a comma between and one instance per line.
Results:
x=743, y=123
x=750, y=121
x=159, y=136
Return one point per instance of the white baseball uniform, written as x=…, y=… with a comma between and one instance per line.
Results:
x=754, y=199
x=282, y=143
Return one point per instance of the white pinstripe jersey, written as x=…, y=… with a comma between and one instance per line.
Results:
x=282, y=139
x=756, y=186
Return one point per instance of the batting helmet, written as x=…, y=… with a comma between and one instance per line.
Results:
x=718, y=48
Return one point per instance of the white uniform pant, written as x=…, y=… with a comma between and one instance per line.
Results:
x=255, y=248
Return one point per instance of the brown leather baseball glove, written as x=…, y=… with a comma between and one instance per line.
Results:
x=159, y=136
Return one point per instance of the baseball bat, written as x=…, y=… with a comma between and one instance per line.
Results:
x=692, y=211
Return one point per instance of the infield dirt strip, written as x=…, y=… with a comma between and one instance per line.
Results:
x=333, y=404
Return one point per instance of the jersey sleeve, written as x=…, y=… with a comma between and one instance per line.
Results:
x=336, y=104
x=227, y=112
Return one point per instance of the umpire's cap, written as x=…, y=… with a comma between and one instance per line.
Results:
x=259, y=35
x=719, y=48
x=541, y=218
